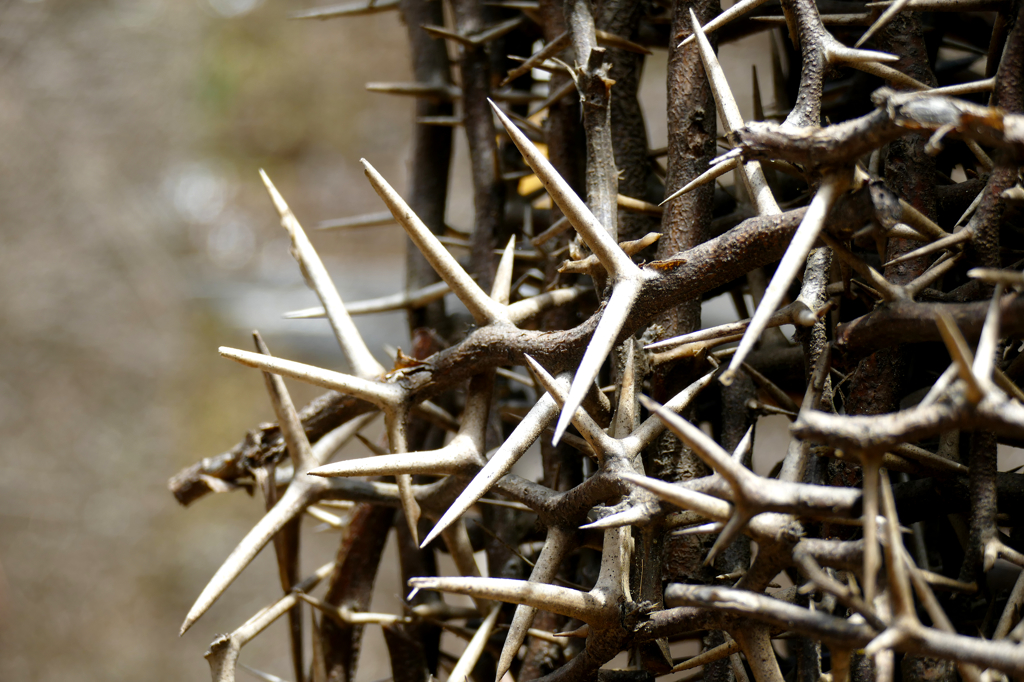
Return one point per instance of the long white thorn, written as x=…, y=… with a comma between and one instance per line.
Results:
x=385, y=396
x=291, y=504
x=712, y=173
x=709, y=506
x=653, y=426
x=624, y=294
x=888, y=15
x=501, y=462
x=753, y=176
x=502, y=288
x=382, y=304
x=961, y=354
x=613, y=258
x=363, y=363
x=561, y=600
x=984, y=358
x=469, y=658
x=588, y=428
x=544, y=571
x=484, y=309
x=734, y=12
x=294, y=434
x=794, y=258
x=704, y=446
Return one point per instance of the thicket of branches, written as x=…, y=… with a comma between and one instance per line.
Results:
x=877, y=209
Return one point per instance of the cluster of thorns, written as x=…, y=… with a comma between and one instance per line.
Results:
x=649, y=526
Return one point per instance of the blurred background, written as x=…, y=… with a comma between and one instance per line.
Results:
x=136, y=239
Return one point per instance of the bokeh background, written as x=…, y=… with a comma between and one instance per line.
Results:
x=136, y=238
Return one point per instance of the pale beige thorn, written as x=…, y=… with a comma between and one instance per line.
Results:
x=450, y=459
x=500, y=463
x=753, y=176
x=704, y=504
x=351, y=342
x=710, y=656
x=886, y=288
x=365, y=220
x=624, y=293
x=888, y=73
x=922, y=223
x=395, y=424
x=556, y=96
x=440, y=121
x=1008, y=278
x=544, y=571
x=888, y=15
x=502, y=288
x=634, y=516
x=638, y=205
x=480, y=305
x=983, y=85
x=520, y=311
x=446, y=92
x=469, y=658
x=710, y=175
x=557, y=228
x=732, y=529
x=582, y=632
x=383, y=304
x=295, y=499
x=596, y=235
x=344, y=614
x=985, y=357
x=266, y=677
x=347, y=9
x=734, y=12
x=938, y=245
x=785, y=315
x=552, y=48
x=626, y=418
x=224, y=650
x=958, y=349
x=941, y=384
x=611, y=40
x=936, y=270
x=547, y=637
x=561, y=600
x=385, y=396
x=588, y=428
x=332, y=520
x=703, y=445
x=292, y=431
x=795, y=257
x=984, y=159
x=652, y=427
x=703, y=529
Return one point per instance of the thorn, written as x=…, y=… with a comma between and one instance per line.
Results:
x=888, y=15
x=500, y=463
x=348, y=9
x=961, y=355
x=385, y=396
x=795, y=257
x=292, y=431
x=502, y=288
x=711, y=174
x=734, y=12
x=351, y=342
x=596, y=236
x=937, y=245
x=624, y=294
x=480, y=305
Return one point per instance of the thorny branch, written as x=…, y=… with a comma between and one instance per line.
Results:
x=844, y=220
